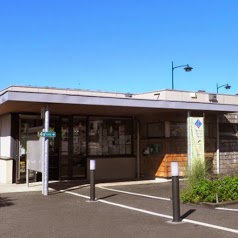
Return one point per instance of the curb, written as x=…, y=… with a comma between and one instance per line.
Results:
x=219, y=204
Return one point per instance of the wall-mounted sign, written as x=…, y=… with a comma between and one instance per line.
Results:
x=153, y=149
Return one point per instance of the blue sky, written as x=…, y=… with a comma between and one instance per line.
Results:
x=119, y=45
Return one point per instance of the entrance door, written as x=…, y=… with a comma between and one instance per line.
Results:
x=64, y=149
x=79, y=162
x=73, y=148
x=54, y=149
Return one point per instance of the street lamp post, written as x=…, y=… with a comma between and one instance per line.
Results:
x=226, y=86
x=187, y=68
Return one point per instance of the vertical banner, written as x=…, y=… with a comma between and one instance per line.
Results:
x=196, y=132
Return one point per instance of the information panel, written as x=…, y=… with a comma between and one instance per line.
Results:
x=35, y=153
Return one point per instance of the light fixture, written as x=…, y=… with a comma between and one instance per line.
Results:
x=187, y=68
x=226, y=86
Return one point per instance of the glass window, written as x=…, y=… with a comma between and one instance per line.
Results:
x=79, y=136
x=156, y=130
x=64, y=136
x=110, y=137
x=228, y=129
x=178, y=129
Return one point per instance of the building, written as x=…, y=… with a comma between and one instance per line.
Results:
x=130, y=135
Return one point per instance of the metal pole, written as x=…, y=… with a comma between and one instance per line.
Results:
x=27, y=174
x=175, y=192
x=138, y=149
x=46, y=153
x=218, y=147
x=172, y=75
x=188, y=142
x=92, y=179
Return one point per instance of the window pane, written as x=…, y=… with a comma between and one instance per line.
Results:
x=110, y=137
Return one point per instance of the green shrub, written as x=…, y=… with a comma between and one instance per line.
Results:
x=205, y=189
x=227, y=188
x=201, y=191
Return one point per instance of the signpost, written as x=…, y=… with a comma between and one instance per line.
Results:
x=49, y=134
x=46, y=151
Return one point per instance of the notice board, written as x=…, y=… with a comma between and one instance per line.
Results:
x=35, y=153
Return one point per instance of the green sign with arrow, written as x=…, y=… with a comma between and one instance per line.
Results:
x=48, y=134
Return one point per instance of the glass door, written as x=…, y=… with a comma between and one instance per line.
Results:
x=79, y=162
x=64, y=149
x=29, y=126
x=73, y=160
x=54, y=149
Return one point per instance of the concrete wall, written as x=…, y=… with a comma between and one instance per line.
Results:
x=6, y=166
x=229, y=156
x=6, y=162
x=114, y=168
x=5, y=136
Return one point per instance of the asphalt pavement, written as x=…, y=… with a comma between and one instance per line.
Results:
x=136, y=209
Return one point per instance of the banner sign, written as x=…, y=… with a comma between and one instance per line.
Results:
x=196, y=138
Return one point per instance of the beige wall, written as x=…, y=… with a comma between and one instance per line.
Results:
x=6, y=166
x=6, y=162
x=114, y=168
x=5, y=136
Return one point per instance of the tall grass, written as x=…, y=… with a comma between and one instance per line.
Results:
x=197, y=171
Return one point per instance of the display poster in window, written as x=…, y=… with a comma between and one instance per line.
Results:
x=178, y=129
x=109, y=137
x=156, y=130
x=128, y=149
x=122, y=149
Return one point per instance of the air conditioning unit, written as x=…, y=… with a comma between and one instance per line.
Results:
x=212, y=97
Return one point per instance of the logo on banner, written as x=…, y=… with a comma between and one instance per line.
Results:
x=198, y=123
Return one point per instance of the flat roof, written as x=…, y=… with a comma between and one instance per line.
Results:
x=17, y=97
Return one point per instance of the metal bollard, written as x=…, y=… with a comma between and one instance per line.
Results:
x=92, y=179
x=175, y=191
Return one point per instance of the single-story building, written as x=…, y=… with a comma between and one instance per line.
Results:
x=129, y=135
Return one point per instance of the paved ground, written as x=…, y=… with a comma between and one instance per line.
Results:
x=131, y=210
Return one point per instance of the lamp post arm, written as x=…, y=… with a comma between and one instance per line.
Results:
x=180, y=66
x=221, y=86
x=187, y=69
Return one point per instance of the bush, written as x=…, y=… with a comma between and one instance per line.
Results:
x=227, y=188
x=205, y=190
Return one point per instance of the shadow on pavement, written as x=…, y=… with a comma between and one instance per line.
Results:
x=5, y=202
x=68, y=185
x=186, y=214
x=112, y=195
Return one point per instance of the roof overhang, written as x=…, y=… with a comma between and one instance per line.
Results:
x=15, y=101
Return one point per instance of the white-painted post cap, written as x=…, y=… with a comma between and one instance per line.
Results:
x=175, y=168
x=92, y=164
